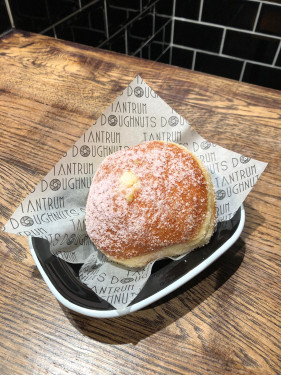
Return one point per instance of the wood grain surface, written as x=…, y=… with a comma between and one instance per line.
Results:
x=226, y=320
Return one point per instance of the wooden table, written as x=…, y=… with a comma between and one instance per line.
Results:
x=225, y=321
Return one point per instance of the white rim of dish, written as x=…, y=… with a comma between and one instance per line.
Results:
x=149, y=300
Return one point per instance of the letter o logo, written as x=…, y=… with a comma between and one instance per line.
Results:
x=112, y=120
x=138, y=91
x=205, y=145
x=85, y=151
x=55, y=184
x=173, y=121
x=220, y=194
x=26, y=221
x=244, y=159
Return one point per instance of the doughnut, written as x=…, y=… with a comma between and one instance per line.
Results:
x=148, y=202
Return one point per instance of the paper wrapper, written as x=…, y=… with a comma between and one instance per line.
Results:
x=55, y=210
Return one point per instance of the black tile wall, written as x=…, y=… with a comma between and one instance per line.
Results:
x=117, y=17
x=36, y=16
x=237, y=39
x=278, y=61
x=247, y=37
x=143, y=26
x=156, y=49
x=145, y=52
x=182, y=57
x=134, y=43
x=250, y=46
x=80, y=35
x=270, y=20
x=165, y=7
x=116, y=44
x=86, y=27
x=28, y=17
x=165, y=57
x=55, y=12
x=160, y=21
x=187, y=9
x=96, y=17
x=5, y=23
x=218, y=65
x=263, y=76
x=236, y=13
x=164, y=32
x=198, y=36
x=121, y=26
x=51, y=33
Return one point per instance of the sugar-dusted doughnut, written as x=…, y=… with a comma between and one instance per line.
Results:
x=148, y=202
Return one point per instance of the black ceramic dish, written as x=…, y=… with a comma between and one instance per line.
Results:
x=167, y=275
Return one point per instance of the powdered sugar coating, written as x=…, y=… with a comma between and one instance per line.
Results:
x=168, y=207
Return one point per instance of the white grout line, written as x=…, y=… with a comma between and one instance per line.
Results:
x=242, y=71
x=112, y=6
x=170, y=55
x=276, y=55
x=126, y=42
x=222, y=41
x=10, y=13
x=105, y=19
x=201, y=10
x=227, y=27
x=55, y=33
x=5, y=33
x=172, y=31
x=226, y=56
x=153, y=20
x=266, y=2
x=193, y=60
x=257, y=17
